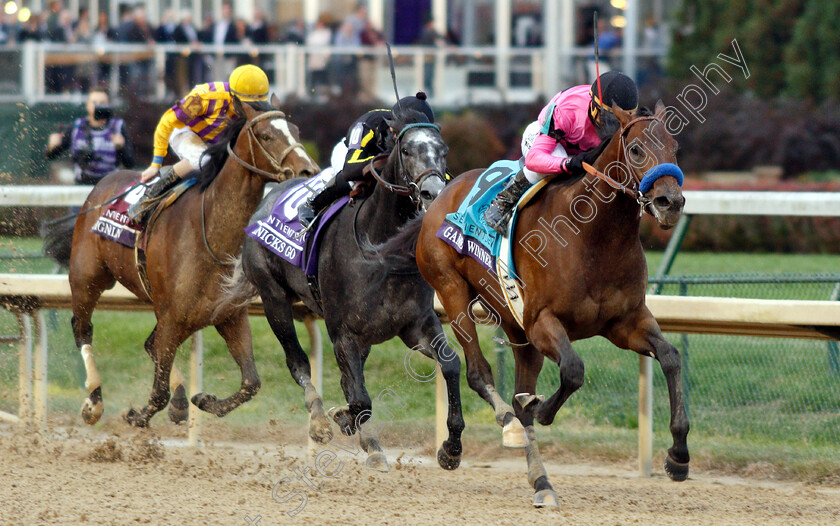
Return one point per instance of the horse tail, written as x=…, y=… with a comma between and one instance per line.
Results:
x=58, y=238
x=237, y=291
x=398, y=251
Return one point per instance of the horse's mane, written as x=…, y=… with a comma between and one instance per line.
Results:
x=216, y=155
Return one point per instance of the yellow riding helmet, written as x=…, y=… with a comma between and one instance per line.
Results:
x=249, y=83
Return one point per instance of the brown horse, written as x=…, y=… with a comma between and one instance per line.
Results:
x=186, y=245
x=583, y=273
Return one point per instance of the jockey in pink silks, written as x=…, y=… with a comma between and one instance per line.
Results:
x=571, y=130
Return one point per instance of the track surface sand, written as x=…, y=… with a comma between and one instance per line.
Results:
x=78, y=477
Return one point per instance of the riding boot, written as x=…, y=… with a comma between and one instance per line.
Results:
x=167, y=178
x=500, y=210
x=309, y=210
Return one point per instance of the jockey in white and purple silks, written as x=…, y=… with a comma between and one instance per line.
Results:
x=567, y=134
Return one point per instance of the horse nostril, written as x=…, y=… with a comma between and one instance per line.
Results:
x=662, y=202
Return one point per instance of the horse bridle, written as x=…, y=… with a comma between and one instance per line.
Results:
x=412, y=189
x=633, y=193
x=276, y=162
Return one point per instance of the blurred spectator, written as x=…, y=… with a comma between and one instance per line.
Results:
x=223, y=31
x=136, y=30
x=55, y=8
x=191, y=66
x=359, y=21
x=103, y=34
x=258, y=31
x=652, y=40
x=98, y=143
x=608, y=41
x=295, y=33
x=59, y=79
x=321, y=35
x=430, y=37
x=31, y=29
x=8, y=29
x=104, y=31
x=165, y=32
x=367, y=63
x=344, y=71
x=86, y=73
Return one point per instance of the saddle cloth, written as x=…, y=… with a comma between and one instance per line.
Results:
x=469, y=234
x=115, y=224
x=281, y=232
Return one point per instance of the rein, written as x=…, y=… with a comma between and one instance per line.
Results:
x=634, y=193
x=412, y=189
x=276, y=163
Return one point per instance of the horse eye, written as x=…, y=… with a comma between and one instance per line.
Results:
x=405, y=151
x=634, y=150
x=266, y=137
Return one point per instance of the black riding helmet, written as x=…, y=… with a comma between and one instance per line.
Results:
x=416, y=103
x=617, y=88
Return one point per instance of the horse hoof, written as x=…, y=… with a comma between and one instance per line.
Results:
x=513, y=435
x=447, y=462
x=319, y=430
x=135, y=419
x=179, y=407
x=529, y=402
x=677, y=471
x=92, y=412
x=203, y=401
x=378, y=462
x=546, y=498
x=344, y=419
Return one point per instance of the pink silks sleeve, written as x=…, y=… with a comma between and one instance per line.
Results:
x=540, y=158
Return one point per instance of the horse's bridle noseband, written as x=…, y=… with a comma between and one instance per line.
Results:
x=412, y=189
x=281, y=173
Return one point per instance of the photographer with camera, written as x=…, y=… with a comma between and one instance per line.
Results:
x=97, y=143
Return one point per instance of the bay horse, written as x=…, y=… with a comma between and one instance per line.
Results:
x=186, y=246
x=581, y=276
x=363, y=302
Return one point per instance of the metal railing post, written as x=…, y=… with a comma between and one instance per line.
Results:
x=316, y=365
x=685, y=360
x=833, y=349
x=25, y=367
x=39, y=371
x=196, y=381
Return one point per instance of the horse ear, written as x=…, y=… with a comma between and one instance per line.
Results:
x=275, y=101
x=621, y=114
x=659, y=109
x=243, y=110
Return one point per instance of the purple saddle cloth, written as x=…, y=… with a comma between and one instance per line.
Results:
x=282, y=233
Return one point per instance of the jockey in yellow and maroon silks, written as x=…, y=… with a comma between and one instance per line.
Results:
x=195, y=122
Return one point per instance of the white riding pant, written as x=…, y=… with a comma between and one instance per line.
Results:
x=528, y=138
x=337, y=157
x=187, y=145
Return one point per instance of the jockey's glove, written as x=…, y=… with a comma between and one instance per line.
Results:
x=574, y=164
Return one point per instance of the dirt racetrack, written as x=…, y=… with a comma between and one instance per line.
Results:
x=77, y=477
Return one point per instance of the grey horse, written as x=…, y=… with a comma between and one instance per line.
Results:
x=364, y=301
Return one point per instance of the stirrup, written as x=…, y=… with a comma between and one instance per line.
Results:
x=167, y=178
x=498, y=216
x=308, y=219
